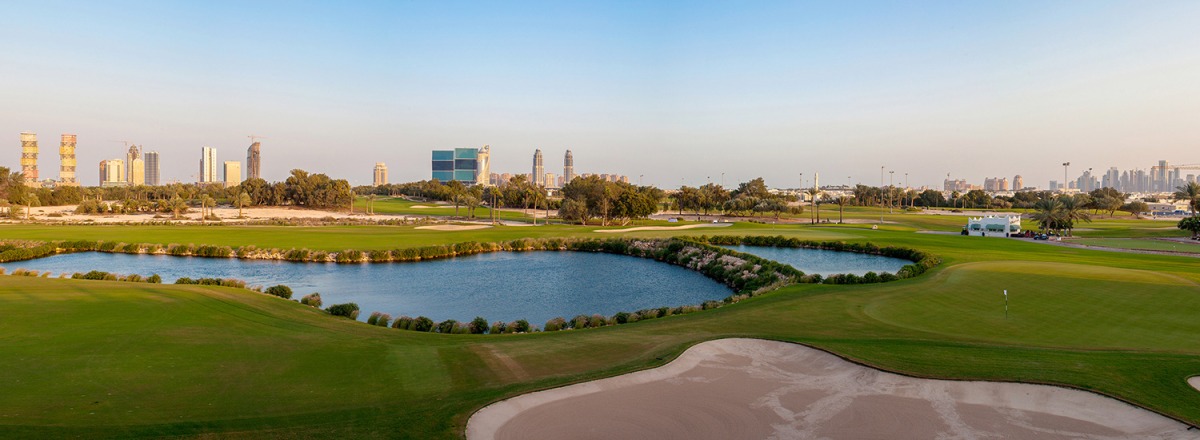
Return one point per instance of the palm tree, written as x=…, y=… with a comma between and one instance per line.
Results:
x=31, y=200
x=841, y=201
x=1074, y=209
x=206, y=205
x=1191, y=193
x=177, y=205
x=813, y=193
x=1048, y=214
x=243, y=200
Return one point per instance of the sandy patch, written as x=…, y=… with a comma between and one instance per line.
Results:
x=666, y=228
x=748, y=388
x=1194, y=381
x=227, y=214
x=453, y=227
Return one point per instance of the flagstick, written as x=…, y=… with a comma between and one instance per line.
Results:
x=1006, y=305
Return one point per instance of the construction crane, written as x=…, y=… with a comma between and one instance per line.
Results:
x=254, y=138
x=1191, y=166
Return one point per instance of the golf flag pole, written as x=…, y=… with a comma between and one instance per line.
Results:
x=1006, y=304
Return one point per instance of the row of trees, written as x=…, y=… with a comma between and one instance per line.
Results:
x=301, y=188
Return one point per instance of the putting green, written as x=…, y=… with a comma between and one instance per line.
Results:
x=1053, y=305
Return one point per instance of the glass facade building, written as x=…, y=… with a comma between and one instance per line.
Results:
x=461, y=164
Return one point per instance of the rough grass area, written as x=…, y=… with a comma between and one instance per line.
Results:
x=103, y=359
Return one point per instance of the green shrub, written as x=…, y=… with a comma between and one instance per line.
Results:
x=347, y=310
x=478, y=326
x=403, y=323
x=374, y=318
x=312, y=300
x=422, y=324
x=446, y=326
x=555, y=324
x=498, y=327
x=154, y=279
x=281, y=291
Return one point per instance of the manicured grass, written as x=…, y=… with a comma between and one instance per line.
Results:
x=106, y=359
x=336, y=238
x=1142, y=244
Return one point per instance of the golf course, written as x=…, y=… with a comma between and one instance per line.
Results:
x=112, y=359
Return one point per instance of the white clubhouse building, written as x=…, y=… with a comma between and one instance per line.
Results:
x=994, y=225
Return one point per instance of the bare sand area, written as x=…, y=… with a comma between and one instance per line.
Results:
x=453, y=227
x=1194, y=381
x=665, y=228
x=749, y=388
x=227, y=214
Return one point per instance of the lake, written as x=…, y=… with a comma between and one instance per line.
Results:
x=504, y=286
x=824, y=262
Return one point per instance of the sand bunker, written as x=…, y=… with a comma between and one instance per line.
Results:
x=748, y=388
x=665, y=228
x=453, y=227
x=1194, y=381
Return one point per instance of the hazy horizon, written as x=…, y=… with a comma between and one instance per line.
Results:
x=678, y=92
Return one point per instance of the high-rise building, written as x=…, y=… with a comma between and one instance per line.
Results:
x=66, y=155
x=1004, y=184
x=138, y=172
x=550, y=180
x=483, y=165
x=233, y=173
x=1160, y=176
x=539, y=172
x=152, y=168
x=134, y=153
x=113, y=173
x=459, y=164
x=380, y=174
x=208, y=165
x=568, y=168
x=254, y=161
x=29, y=154
x=1018, y=183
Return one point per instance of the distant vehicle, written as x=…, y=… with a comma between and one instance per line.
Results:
x=1041, y=237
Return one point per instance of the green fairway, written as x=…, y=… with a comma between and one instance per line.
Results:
x=1142, y=244
x=108, y=359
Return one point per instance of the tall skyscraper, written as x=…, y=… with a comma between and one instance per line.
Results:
x=135, y=153
x=1018, y=182
x=66, y=155
x=29, y=154
x=539, y=172
x=1160, y=176
x=152, y=168
x=233, y=173
x=208, y=165
x=380, y=174
x=113, y=173
x=459, y=164
x=254, y=161
x=483, y=164
x=137, y=171
x=568, y=168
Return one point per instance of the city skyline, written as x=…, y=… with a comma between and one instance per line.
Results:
x=678, y=92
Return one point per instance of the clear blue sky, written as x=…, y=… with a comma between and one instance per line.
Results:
x=673, y=91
